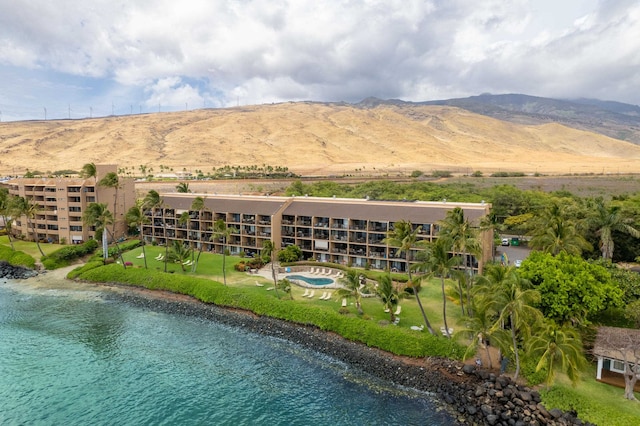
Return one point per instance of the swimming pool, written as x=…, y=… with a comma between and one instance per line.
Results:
x=309, y=280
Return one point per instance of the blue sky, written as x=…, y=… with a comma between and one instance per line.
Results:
x=77, y=58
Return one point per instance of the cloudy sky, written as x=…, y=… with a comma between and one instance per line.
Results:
x=80, y=58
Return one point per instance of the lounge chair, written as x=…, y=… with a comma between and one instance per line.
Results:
x=396, y=321
x=159, y=257
x=259, y=284
x=417, y=327
x=310, y=296
x=387, y=310
x=329, y=272
x=306, y=292
x=187, y=262
x=397, y=312
x=444, y=331
x=312, y=270
x=344, y=302
x=328, y=296
x=340, y=275
x=270, y=288
x=324, y=295
x=140, y=256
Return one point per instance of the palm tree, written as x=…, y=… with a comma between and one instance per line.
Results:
x=438, y=263
x=180, y=253
x=478, y=329
x=151, y=202
x=30, y=209
x=90, y=170
x=510, y=298
x=404, y=237
x=607, y=219
x=98, y=216
x=554, y=231
x=351, y=287
x=111, y=180
x=558, y=348
x=5, y=212
x=389, y=295
x=462, y=239
x=269, y=251
x=198, y=205
x=183, y=187
x=135, y=217
x=221, y=231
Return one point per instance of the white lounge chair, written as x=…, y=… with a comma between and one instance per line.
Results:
x=328, y=296
x=306, y=292
x=417, y=327
x=187, y=262
x=344, y=302
x=161, y=258
x=444, y=331
x=312, y=270
x=259, y=284
x=329, y=272
x=340, y=275
x=397, y=312
x=140, y=256
x=324, y=295
x=310, y=296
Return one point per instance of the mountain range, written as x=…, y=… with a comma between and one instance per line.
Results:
x=487, y=133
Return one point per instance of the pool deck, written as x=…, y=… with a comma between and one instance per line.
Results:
x=265, y=272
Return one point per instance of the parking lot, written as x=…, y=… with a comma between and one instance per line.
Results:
x=513, y=253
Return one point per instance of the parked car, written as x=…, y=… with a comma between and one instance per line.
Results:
x=517, y=263
x=505, y=241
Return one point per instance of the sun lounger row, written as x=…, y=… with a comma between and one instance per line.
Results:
x=325, y=295
x=326, y=272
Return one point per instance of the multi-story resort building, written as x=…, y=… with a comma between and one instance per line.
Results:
x=62, y=201
x=343, y=231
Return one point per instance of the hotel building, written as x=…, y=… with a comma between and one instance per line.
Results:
x=338, y=230
x=62, y=201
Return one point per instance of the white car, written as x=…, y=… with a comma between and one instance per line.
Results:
x=517, y=263
x=505, y=241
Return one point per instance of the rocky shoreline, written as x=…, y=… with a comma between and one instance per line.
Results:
x=473, y=396
x=13, y=272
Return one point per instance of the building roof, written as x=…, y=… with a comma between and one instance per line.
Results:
x=615, y=343
x=228, y=203
x=383, y=211
x=417, y=212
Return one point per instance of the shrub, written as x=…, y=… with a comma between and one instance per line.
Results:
x=416, y=174
x=441, y=174
x=62, y=257
x=392, y=339
x=17, y=258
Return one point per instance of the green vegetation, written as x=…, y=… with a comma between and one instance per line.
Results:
x=63, y=256
x=16, y=257
x=393, y=339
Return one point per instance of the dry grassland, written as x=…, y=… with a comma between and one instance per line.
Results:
x=313, y=139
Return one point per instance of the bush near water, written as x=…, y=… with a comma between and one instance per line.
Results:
x=16, y=257
x=389, y=338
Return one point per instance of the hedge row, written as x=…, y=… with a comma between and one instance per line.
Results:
x=17, y=258
x=62, y=257
x=392, y=339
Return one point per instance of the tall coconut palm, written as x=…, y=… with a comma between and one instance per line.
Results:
x=99, y=216
x=269, y=252
x=111, y=180
x=478, y=330
x=351, y=287
x=151, y=202
x=6, y=201
x=559, y=348
x=90, y=170
x=135, y=217
x=554, y=231
x=180, y=253
x=29, y=209
x=198, y=205
x=224, y=232
x=404, y=238
x=438, y=263
x=462, y=239
x=605, y=220
x=511, y=298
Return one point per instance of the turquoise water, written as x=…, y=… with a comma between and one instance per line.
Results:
x=72, y=357
x=312, y=281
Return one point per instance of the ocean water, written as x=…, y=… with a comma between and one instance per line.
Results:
x=69, y=356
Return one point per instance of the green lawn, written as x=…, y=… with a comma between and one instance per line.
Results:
x=29, y=247
x=595, y=402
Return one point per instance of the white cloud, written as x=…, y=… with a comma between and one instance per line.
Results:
x=324, y=50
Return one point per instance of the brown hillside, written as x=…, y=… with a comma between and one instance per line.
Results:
x=313, y=138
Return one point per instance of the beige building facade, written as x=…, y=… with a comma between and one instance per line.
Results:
x=343, y=231
x=62, y=202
